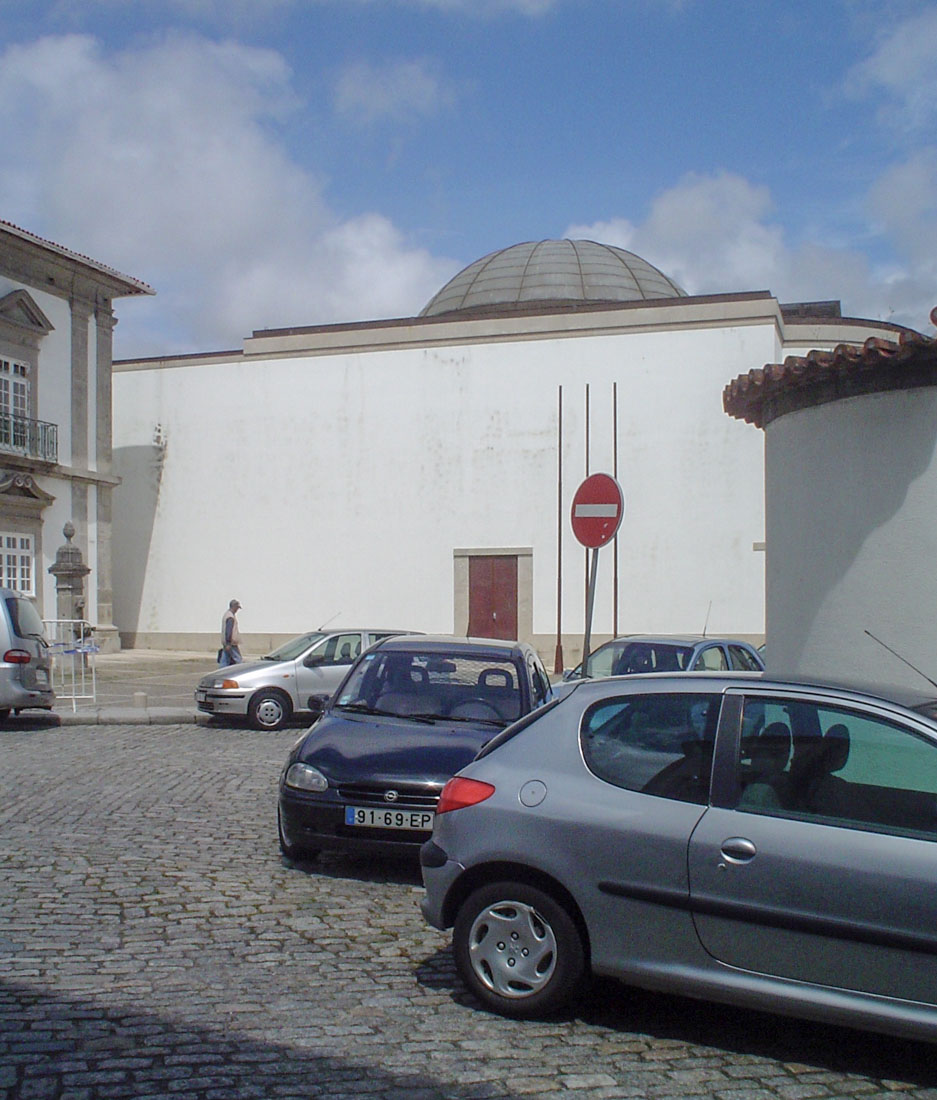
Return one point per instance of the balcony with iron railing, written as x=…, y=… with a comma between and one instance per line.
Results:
x=33, y=438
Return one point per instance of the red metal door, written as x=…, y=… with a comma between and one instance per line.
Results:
x=493, y=597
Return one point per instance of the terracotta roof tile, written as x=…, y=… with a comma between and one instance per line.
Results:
x=821, y=376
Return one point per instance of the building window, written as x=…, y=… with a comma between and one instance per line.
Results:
x=14, y=403
x=17, y=562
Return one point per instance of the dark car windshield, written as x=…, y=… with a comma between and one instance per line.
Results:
x=621, y=658
x=438, y=684
x=292, y=649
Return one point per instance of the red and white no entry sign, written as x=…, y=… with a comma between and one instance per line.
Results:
x=597, y=511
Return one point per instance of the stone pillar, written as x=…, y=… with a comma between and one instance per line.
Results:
x=106, y=634
x=69, y=571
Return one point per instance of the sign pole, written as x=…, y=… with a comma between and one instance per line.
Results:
x=590, y=605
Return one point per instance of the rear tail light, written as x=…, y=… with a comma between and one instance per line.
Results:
x=17, y=657
x=459, y=793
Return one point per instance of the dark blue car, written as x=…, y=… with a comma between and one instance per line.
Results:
x=412, y=711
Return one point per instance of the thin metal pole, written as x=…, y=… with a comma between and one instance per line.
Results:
x=585, y=552
x=558, y=656
x=615, y=469
x=590, y=604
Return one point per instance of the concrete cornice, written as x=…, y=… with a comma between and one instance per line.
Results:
x=47, y=266
x=567, y=322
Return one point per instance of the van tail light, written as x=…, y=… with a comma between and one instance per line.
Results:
x=459, y=793
x=17, y=657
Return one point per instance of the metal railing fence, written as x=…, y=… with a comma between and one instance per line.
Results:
x=36, y=438
x=72, y=649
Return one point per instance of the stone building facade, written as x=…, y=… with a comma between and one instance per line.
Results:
x=56, y=324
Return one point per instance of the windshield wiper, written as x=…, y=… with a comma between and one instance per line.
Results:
x=480, y=721
x=363, y=708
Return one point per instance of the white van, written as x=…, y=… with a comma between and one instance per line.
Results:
x=25, y=667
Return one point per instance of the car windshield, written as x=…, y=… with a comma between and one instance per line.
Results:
x=292, y=649
x=621, y=658
x=416, y=684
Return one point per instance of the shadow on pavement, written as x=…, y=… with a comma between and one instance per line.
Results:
x=401, y=870
x=51, y=1046
x=30, y=720
x=744, y=1032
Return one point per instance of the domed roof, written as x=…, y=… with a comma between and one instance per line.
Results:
x=560, y=272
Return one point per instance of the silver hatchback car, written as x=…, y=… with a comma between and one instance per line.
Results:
x=297, y=678
x=736, y=838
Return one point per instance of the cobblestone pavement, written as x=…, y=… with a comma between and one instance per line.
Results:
x=154, y=943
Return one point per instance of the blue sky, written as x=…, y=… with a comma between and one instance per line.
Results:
x=290, y=162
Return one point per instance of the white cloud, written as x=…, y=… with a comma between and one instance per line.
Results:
x=715, y=234
x=904, y=68
x=397, y=90
x=165, y=163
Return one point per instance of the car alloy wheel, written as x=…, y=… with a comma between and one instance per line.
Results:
x=269, y=710
x=518, y=950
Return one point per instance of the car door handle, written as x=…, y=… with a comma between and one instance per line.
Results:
x=738, y=850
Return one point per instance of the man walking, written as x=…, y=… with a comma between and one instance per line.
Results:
x=230, y=652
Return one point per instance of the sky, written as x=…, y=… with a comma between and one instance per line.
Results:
x=268, y=163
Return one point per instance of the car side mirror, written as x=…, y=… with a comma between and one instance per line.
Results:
x=314, y=660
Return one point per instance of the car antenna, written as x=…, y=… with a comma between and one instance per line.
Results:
x=706, y=623
x=900, y=658
x=332, y=620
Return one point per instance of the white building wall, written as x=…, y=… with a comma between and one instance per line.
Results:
x=851, y=490
x=339, y=485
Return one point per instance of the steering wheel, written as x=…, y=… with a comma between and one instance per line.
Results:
x=476, y=708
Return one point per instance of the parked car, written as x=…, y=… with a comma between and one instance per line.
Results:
x=669, y=653
x=295, y=679
x=412, y=711
x=735, y=838
x=25, y=667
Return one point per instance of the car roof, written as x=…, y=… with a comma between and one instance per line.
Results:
x=900, y=694
x=676, y=639
x=450, y=643
x=357, y=630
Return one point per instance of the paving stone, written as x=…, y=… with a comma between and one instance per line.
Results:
x=153, y=943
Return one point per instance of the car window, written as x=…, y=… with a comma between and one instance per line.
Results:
x=711, y=659
x=25, y=618
x=341, y=649
x=741, y=660
x=539, y=683
x=660, y=744
x=836, y=766
x=600, y=662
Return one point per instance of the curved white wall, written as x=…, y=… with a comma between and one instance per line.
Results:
x=851, y=502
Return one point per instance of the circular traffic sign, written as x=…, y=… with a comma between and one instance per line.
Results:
x=597, y=510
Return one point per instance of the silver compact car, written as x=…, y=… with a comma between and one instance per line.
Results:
x=25, y=666
x=737, y=838
x=298, y=678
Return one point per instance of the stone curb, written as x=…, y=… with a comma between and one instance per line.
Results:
x=132, y=716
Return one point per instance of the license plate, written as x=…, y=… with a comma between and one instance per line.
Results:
x=42, y=677
x=367, y=817
x=201, y=696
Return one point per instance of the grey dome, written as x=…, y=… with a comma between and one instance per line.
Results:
x=556, y=272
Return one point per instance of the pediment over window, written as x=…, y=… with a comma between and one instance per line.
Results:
x=18, y=309
x=23, y=487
